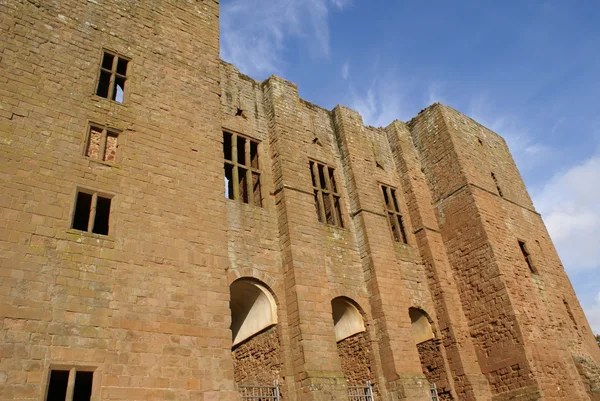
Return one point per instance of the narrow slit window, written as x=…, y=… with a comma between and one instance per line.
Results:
x=59, y=382
x=92, y=213
x=102, y=143
x=326, y=195
x=242, y=173
x=112, y=78
x=395, y=219
x=497, y=185
x=527, y=256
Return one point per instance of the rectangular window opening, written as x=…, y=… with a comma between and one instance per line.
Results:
x=102, y=143
x=102, y=216
x=327, y=198
x=83, y=207
x=83, y=386
x=91, y=206
x=110, y=149
x=242, y=175
x=241, y=151
x=395, y=218
x=57, y=387
x=227, y=146
x=107, y=61
x=318, y=206
x=254, y=154
x=243, y=184
x=229, y=181
x=59, y=382
x=256, y=189
x=103, y=84
x=113, y=74
x=93, y=143
x=122, y=66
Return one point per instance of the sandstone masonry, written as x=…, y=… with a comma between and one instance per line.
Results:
x=171, y=229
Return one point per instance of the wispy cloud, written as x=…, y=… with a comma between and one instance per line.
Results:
x=346, y=70
x=526, y=150
x=569, y=205
x=384, y=101
x=254, y=33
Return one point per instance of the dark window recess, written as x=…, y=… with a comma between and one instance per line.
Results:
x=83, y=386
x=242, y=173
x=83, y=207
x=59, y=379
x=393, y=213
x=497, y=186
x=57, y=388
x=527, y=256
x=113, y=74
x=91, y=207
x=102, y=216
x=327, y=197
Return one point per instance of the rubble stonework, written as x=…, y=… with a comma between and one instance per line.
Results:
x=151, y=310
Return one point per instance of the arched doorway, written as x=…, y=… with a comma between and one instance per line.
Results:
x=429, y=347
x=255, y=339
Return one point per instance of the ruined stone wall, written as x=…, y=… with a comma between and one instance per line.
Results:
x=482, y=221
x=434, y=367
x=146, y=306
x=257, y=361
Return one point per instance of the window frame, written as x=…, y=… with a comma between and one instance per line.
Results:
x=70, y=391
x=92, y=215
x=393, y=214
x=250, y=170
x=105, y=132
x=113, y=75
x=329, y=189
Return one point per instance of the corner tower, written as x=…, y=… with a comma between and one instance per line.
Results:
x=528, y=329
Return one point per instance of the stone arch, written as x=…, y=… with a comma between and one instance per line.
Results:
x=421, y=328
x=253, y=309
x=255, y=338
x=352, y=342
x=430, y=352
x=347, y=318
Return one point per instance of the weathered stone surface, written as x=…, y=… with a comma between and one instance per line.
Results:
x=146, y=307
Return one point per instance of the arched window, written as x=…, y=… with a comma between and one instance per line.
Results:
x=421, y=326
x=253, y=309
x=347, y=319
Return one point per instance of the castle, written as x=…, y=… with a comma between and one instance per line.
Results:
x=174, y=230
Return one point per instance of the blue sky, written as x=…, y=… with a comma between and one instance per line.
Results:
x=527, y=70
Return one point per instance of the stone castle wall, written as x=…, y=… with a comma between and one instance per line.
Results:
x=146, y=306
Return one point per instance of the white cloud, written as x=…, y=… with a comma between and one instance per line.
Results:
x=526, y=151
x=346, y=70
x=341, y=4
x=382, y=102
x=570, y=206
x=254, y=32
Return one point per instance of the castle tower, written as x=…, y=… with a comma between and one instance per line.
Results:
x=172, y=229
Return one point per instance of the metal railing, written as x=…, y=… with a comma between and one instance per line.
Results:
x=361, y=393
x=434, y=393
x=260, y=393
